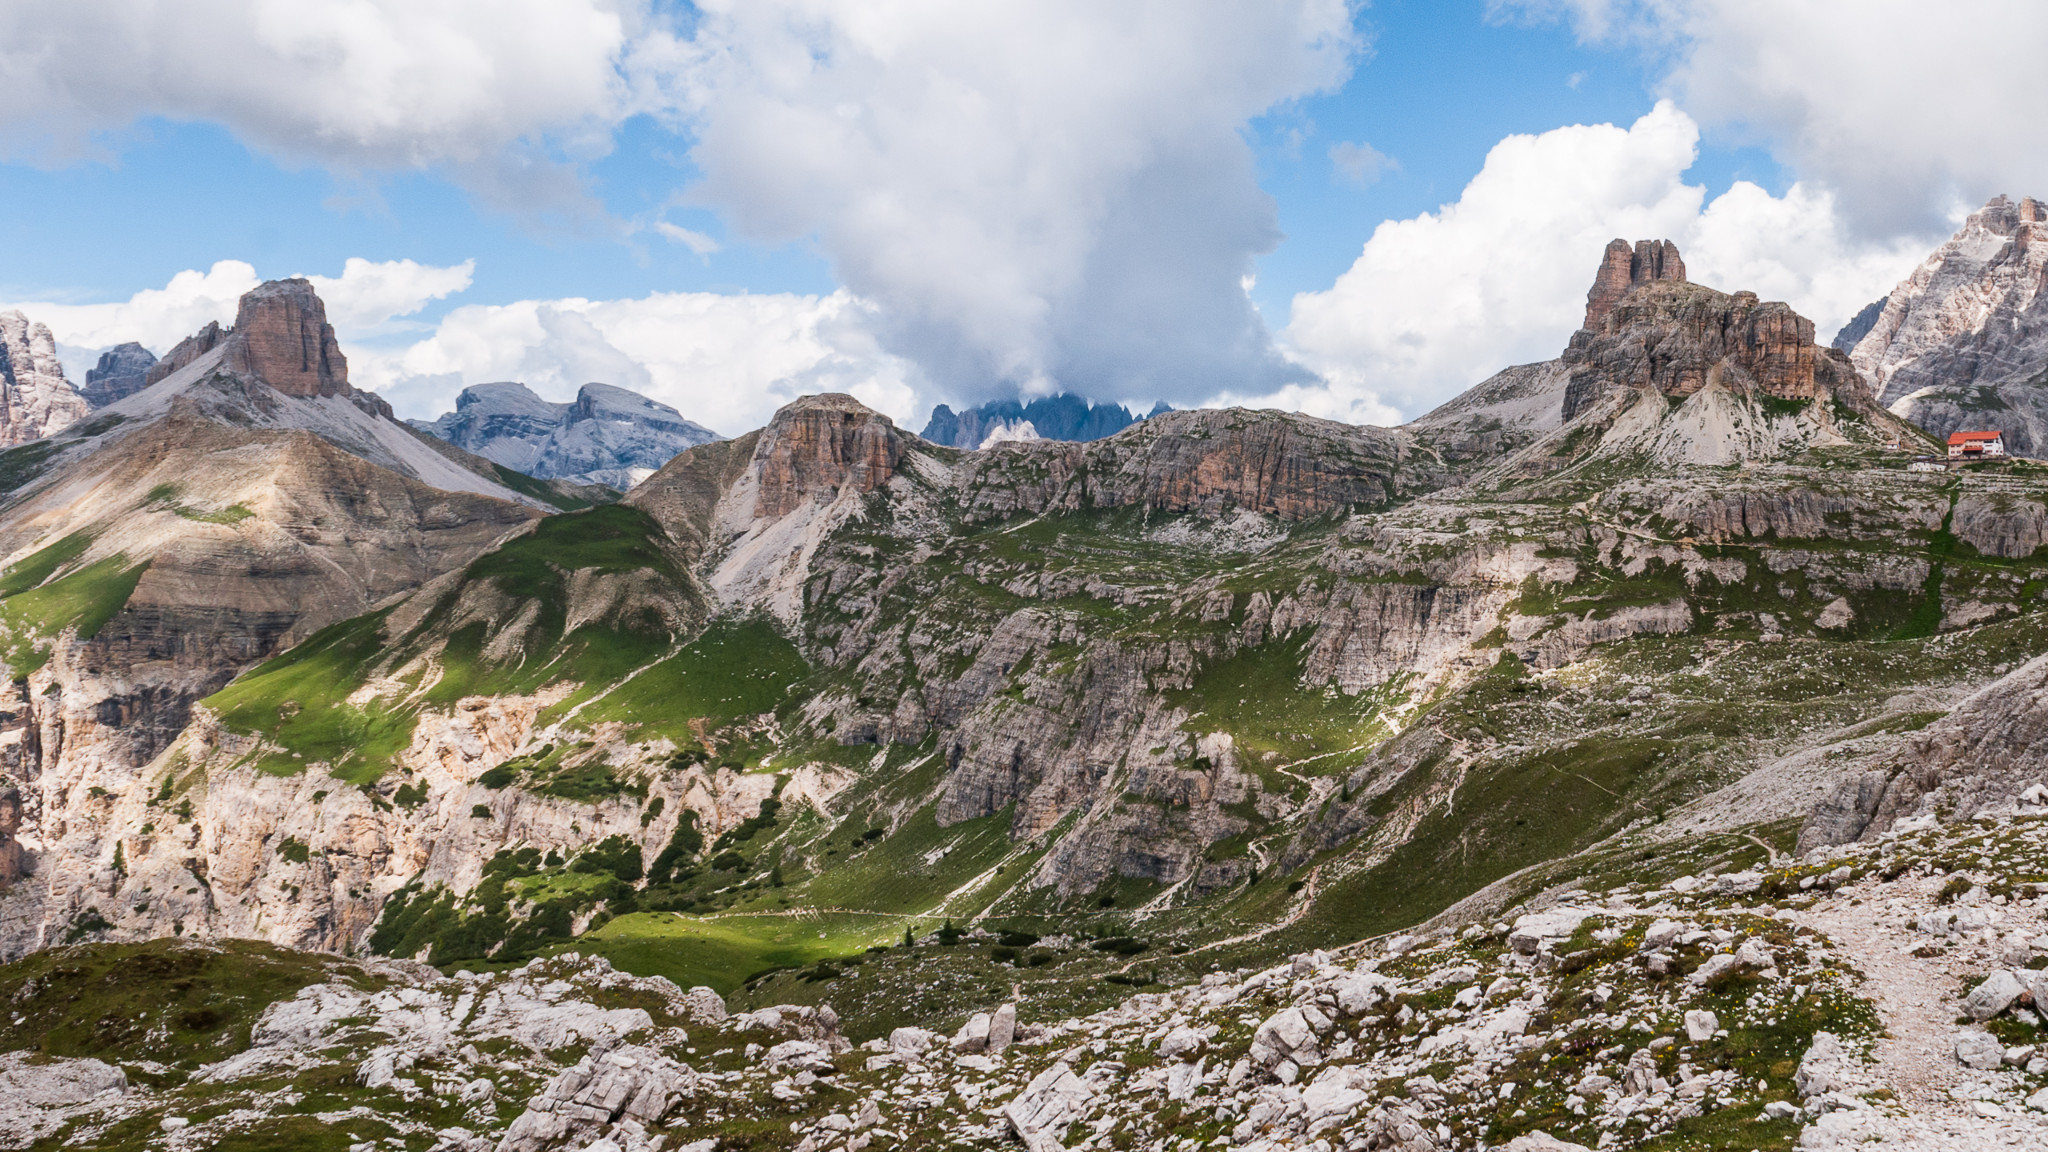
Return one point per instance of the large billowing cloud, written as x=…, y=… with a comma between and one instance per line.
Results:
x=1436, y=303
x=1034, y=193
x=725, y=361
x=1907, y=111
x=1031, y=193
x=501, y=92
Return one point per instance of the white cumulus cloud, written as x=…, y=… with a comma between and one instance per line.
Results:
x=725, y=361
x=156, y=318
x=367, y=294
x=361, y=301
x=1034, y=193
x=497, y=90
x=1436, y=303
x=1908, y=111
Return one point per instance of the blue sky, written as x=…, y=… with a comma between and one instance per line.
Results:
x=1439, y=86
x=174, y=179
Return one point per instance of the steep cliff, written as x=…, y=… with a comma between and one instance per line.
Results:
x=1963, y=341
x=181, y=535
x=35, y=399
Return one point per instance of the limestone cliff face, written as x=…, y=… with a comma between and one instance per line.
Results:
x=122, y=372
x=1209, y=462
x=35, y=399
x=1962, y=343
x=248, y=542
x=282, y=337
x=1625, y=268
x=1673, y=338
x=819, y=447
x=1967, y=314
x=216, y=522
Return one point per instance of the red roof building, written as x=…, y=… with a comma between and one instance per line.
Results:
x=1975, y=445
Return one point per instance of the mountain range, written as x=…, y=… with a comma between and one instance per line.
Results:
x=606, y=436
x=1060, y=417
x=1529, y=775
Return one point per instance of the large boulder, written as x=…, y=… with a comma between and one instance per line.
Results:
x=607, y=1089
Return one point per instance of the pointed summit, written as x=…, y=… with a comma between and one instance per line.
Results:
x=1623, y=269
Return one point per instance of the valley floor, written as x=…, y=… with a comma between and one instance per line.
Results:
x=1872, y=995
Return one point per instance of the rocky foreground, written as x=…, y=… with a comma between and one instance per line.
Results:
x=1884, y=992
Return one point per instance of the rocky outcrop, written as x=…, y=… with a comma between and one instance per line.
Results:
x=282, y=338
x=1676, y=338
x=122, y=371
x=1985, y=756
x=186, y=351
x=819, y=446
x=607, y=435
x=1625, y=268
x=1210, y=462
x=1963, y=341
x=1967, y=314
x=35, y=399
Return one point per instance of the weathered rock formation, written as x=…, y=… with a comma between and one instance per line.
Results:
x=35, y=399
x=1963, y=341
x=607, y=435
x=1625, y=268
x=186, y=351
x=282, y=337
x=1984, y=756
x=122, y=371
x=1210, y=462
x=820, y=446
x=1672, y=337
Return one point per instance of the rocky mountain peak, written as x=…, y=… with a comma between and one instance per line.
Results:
x=122, y=371
x=607, y=435
x=35, y=399
x=1675, y=337
x=282, y=337
x=1625, y=268
x=818, y=445
x=1962, y=342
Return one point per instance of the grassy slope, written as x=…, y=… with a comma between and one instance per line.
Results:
x=299, y=699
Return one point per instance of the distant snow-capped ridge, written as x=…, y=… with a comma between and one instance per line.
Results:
x=607, y=435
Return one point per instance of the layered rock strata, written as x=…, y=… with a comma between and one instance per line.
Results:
x=1625, y=268
x=1674, y=338
x=1962, y=343
x=282, y=337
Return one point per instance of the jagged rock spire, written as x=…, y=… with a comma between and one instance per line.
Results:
x=1623, y=269
x=35, y=398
